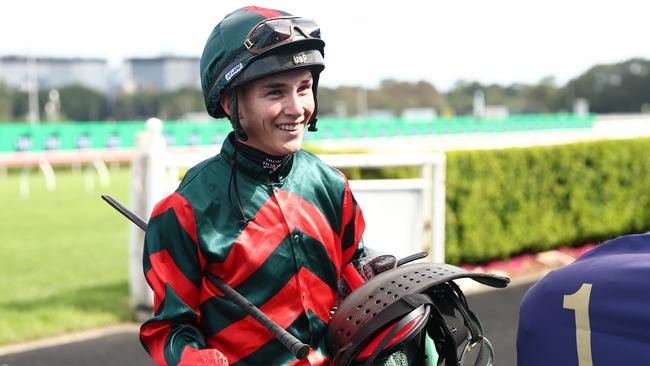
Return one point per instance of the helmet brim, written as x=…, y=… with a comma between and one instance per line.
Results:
x=277, y=63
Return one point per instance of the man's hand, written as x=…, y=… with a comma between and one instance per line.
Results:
x=205, y=357
x=374, y=266
x=364, y=269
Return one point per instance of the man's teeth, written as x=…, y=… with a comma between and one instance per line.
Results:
x=289, y=127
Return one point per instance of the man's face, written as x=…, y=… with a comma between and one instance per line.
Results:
x=275, y=110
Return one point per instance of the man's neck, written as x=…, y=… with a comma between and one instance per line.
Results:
x=267, y=161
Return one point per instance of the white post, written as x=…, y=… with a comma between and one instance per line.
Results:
x=433, y=191
x=439, y=205
x=102, y=172
x=426, y=174
x=23, y=185
x=48, y=173
x=147, y=170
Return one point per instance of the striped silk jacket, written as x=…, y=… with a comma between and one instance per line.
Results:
x=287, y=261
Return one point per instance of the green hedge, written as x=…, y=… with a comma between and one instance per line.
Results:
x=503, y=202
x=510, y=201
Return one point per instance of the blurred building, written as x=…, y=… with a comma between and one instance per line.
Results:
x=165, y=73
x=419, y=114
x=53, y=72
x=496, y=111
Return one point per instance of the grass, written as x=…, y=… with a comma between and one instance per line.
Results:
x=63, y=256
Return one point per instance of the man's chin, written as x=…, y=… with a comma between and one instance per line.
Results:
x=293, y=146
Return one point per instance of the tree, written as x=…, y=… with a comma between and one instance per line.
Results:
x=20, y=105
x=140, y=105
x=6, y=103
x=326, y=101
x=176, y=104
x=621, y=87
x=461, y=97
x=341, y=101
x=80, y=103
x=13, y=104
x=544, y=97
x=396, y=96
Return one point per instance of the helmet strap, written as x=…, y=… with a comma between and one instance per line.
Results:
x=240, y=134
x=314, y=117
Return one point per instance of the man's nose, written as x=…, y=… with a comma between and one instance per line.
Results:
x=293, y=105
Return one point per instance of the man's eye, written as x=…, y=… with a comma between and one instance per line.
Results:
x=274, y=92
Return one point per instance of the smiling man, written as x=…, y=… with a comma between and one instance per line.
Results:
x=269, y=219
x=275, y=110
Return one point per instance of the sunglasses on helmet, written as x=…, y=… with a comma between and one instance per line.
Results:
x=274, y=32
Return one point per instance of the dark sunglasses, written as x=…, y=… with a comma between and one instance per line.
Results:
x=277, y=31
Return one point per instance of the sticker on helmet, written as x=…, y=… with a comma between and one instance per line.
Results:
x=299, y=58
x=234, y=71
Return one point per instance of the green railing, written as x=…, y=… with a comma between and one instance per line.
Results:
x=82, y=135
x=391, y=127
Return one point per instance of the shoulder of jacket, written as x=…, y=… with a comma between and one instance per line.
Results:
x=334, y=180
x=200, y=172
x=317, y=163
x=314, y=162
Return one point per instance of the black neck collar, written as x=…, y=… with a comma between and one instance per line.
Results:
x=269, y=162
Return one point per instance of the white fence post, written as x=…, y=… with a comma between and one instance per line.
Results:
x=428, y=208
x=439, y=203
x=147, y=173
x=431, y=219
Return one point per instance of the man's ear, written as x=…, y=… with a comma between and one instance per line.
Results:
x=224, y=100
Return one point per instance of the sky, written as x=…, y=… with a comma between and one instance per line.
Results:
x=495, y=41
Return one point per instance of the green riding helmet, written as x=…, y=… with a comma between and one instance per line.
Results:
x=251, y=43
